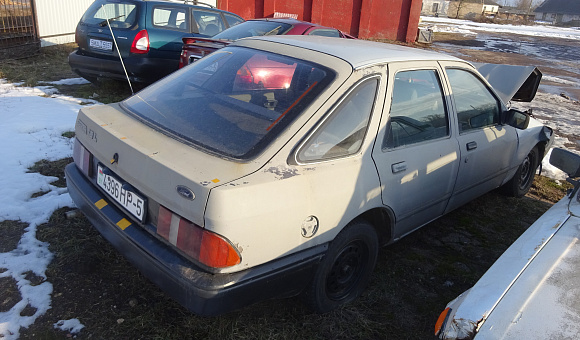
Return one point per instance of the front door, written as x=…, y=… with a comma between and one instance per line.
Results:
x=415, y=154
x=487, y=147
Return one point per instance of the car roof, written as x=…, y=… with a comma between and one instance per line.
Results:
x=199, y=4
x=354, y=51
x=290, y=21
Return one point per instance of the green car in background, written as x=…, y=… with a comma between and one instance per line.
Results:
x=147, y=35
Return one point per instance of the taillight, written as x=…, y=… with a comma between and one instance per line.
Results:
x=183, y=58
x=202, y=245
x=83, y=158
x=140, y=43
x=441, y=321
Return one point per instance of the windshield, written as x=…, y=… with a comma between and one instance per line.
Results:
x=252, y=29
x=118, y=14
x=232, y=102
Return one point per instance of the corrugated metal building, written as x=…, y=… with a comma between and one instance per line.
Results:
x=58, y=19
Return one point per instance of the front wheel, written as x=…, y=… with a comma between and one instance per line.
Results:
x=522, y=181
x=346, y=268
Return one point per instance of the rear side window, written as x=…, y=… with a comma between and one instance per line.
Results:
x=171, y=18
x=254, y=28
x=118, y=14
x=233, y=102
x=343, y=132
x=208, y=23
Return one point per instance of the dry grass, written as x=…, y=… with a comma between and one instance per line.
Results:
x=413, y=281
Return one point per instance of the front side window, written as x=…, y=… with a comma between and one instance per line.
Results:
x=118, y=14
x=170, y=17
x=343, y=132
x=233, y=102
x=208, y=23
x=325, y=33
x=417, y=111
x=475, y=105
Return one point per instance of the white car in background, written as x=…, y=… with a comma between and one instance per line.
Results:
x=533, y=290
x=278, y=165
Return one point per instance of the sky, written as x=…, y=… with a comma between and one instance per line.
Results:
x=33, y=120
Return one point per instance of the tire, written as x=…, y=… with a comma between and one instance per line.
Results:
x=522, y=181
x=346, y=269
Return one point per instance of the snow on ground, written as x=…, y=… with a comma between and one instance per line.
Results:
x=469, y=27
x=33, y=120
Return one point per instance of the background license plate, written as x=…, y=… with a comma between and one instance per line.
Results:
x=101, y=44
x=128, y=199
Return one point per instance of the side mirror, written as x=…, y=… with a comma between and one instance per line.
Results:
x=566, y=161
x=517, y=119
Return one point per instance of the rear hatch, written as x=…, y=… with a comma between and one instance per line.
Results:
x=93, y=33
x=153, y=166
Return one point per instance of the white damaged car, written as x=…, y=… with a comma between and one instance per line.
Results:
x=279, y=165
x=533, y=290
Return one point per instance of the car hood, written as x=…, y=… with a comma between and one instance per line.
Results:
x=511, y=82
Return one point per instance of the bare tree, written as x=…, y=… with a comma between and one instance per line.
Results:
x=459, y=4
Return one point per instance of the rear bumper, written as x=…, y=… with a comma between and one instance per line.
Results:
x=201, y=292
x=141, y=69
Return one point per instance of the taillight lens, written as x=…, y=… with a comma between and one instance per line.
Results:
x=204, y=246
x=441, y=321
x=183, y=58
x=140, y=43
x=83, y=158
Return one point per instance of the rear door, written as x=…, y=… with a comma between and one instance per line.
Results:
x=487, y=147
x=416, y=155
x=168, y=24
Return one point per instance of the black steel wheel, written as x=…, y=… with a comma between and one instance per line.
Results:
x=522, y=181
x=346, y=268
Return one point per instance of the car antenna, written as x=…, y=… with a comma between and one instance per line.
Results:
x=117, y=48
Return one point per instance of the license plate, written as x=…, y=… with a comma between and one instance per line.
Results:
x=126, y=197
x=101, y=44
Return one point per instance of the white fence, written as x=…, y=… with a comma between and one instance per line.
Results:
x=58, y=19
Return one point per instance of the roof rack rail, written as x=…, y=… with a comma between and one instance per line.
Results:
x=193, y=2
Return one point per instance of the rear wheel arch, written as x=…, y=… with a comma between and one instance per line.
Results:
x=382, y=219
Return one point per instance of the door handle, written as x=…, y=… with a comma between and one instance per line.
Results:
x=398, y=167
x=471, y=146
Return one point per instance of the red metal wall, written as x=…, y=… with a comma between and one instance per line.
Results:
x=381, y=19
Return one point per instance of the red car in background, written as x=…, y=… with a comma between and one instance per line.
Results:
x=196, y=48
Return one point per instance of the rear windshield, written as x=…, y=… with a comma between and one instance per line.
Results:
x=119, y=14
x=252, y=29
x=233, y=102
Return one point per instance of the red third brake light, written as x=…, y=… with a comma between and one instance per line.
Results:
x=140, y=43
x=204, y=246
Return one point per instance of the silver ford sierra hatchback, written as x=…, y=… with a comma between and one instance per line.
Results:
x=278, y=166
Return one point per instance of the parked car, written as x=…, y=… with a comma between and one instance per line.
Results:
x=195, y=48
x=147, y=35
x=531, y=291
x=225, y=194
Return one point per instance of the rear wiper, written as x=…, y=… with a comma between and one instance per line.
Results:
x=104, y=22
